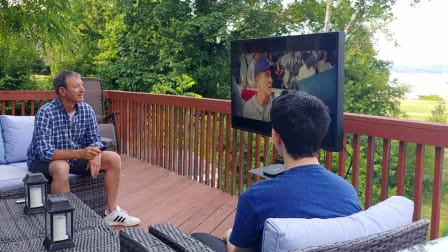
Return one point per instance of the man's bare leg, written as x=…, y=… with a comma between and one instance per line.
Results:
x=111, y=164
x=59, y=170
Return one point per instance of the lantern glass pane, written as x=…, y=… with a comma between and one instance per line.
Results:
x=43, y=188
x=69, y=223
x=36, y=196
x=48, y=226
x=59, y=227
x=27, y=196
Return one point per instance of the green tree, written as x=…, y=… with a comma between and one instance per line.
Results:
x=27, y=29
x=45, y=22
x=154, y=39
x=18, y=57
x=368, y=89
x=430, y=98
x=178, y=85
x=439, y=113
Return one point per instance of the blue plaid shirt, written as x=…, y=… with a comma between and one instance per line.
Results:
x=54, y=131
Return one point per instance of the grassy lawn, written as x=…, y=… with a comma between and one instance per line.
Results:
x=417, y=109
x=420, y=110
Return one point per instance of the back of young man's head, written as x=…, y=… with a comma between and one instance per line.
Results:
x=302, y=122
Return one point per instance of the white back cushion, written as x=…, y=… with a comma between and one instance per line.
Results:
x=17, y=135
x=284, y=234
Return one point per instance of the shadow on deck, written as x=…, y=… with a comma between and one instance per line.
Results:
x=157, y=195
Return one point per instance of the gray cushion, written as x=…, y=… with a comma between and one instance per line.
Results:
x=17, y=134
x=2, y=149
x=284, y=234
x=12, y=175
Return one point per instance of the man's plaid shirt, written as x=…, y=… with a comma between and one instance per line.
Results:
x=53, y=130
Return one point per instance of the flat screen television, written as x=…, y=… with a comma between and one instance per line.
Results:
x=312, y=63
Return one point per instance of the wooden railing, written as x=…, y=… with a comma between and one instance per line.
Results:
x=193, y=137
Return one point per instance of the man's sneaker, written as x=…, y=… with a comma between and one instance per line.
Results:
x=121, y=217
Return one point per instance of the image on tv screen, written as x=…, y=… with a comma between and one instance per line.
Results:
x=262, y=69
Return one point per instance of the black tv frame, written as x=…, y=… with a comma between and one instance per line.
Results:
x=334, y=41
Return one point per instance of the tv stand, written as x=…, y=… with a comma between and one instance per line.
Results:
x=270, y=171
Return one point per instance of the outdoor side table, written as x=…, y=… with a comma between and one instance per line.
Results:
x=264, y=171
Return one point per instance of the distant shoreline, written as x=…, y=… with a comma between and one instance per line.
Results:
x=423, y=83
x=428, y=69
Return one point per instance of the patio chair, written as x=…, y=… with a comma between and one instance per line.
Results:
x=94, y=97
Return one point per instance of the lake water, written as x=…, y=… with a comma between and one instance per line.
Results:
x=424, y=83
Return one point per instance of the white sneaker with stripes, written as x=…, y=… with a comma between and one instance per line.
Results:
x=121, y=217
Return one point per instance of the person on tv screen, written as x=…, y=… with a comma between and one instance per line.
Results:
x=307, y=69
x=259, y=106
x=323, y=64
x=305, y=190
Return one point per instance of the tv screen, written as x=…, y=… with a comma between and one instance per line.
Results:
x=312, y=63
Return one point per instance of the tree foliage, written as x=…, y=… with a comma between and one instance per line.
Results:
x=439, y=113
x=176, y=86
x=18, y=58
x=134, y=45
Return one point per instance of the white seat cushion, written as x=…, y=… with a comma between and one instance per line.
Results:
x=284, y=234
x=12, y=175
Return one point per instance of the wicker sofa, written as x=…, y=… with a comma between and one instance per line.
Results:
x=15, y=137
x=166, y=237
x=387, y=226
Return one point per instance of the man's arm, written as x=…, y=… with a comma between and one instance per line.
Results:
x=231, y=247
x=88, y=153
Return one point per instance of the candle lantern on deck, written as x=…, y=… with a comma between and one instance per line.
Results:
x=35, y=192
x=58, y=224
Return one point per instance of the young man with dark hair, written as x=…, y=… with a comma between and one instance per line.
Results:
x=305, y=189
x=66, y=140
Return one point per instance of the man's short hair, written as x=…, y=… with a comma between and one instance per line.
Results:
x=60, y=80
x=302, y=121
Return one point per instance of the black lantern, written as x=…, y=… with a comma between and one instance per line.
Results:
x=58, y=224
x=35, y=192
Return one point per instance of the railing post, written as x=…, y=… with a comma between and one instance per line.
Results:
x=341, y=160
x=401, y=168
x=369, y=171
x=385, y=169
x=355, y=163
x=328, y=160
x=418, y=182
x=436, y=193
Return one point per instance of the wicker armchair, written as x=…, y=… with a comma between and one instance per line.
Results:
x=392, y=240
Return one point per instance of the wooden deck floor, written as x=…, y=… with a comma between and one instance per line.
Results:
x=156, y=195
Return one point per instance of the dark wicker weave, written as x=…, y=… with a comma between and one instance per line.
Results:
x=20, y=232
x=392, y=240
x=138, y=240
x=177, y=239
x=90, y=191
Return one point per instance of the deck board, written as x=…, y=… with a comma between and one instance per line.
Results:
x=157, y=195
